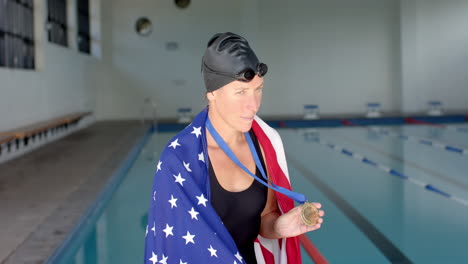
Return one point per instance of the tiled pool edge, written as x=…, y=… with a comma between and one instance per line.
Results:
x=93, y=211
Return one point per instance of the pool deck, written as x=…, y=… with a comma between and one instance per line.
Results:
x=44, y=193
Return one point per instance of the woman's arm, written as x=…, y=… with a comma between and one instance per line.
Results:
x=274, y=225
x=269, y=216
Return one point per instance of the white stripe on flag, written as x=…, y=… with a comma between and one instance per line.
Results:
x=277, y=143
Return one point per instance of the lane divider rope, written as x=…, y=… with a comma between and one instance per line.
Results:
x=425, y=141
x=420, y=140
x=388, y=170
x=451, y=128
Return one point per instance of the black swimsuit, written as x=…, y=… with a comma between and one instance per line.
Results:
x=240, y=211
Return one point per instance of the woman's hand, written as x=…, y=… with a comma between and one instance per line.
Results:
x=291, y=224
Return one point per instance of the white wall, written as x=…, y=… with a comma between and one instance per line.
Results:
x=338, y=54
x=434, y=54
x=63, y=82
x=171, y=78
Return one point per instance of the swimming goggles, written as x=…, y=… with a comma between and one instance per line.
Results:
x=246, y=75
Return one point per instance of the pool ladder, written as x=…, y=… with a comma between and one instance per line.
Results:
x=149, y=112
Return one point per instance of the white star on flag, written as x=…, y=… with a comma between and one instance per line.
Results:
x=168, y=230
x=154, y=228
x=187, y=166
x=163, y=260
x=154, y=258
x=173, y=201
x=188, y=238
x=179, y=179
x=175, y=143
x=212, y=251
x=202, y=199
x=238, y=256
x=196, y=131
x=193, y=213
x=201, y=157
x=181, y=209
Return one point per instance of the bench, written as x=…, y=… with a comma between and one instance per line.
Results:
x=40, y=127
x=5, y=138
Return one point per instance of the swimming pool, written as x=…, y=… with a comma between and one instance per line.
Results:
x=389, y=196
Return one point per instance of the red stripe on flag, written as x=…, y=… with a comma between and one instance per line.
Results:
x=275, y=171
x=279, y=178
x=267, y=255
x=312, y=251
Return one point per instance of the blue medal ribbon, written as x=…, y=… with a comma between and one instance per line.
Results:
x=298, y=197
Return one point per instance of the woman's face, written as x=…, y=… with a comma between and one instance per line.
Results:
x=237, y=102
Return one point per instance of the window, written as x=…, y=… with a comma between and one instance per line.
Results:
x=17, y=34
x=84, y=39
x=57, y=22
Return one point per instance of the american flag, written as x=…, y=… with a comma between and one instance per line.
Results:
x=183, y=227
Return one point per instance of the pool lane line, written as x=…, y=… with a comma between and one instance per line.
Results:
x=383, y=244
x=410, y=120
x=406, y=162
x=393, y=172
x=427, y=142
x=420, y=140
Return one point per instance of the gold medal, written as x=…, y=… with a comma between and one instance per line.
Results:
x=309, y=214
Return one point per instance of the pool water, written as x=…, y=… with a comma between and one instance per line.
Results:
x=372, y=216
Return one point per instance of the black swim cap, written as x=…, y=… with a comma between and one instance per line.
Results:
x=226, y=56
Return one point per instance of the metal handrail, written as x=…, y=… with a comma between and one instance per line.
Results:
x=153, y=112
